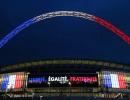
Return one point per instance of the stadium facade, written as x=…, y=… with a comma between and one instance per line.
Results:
x=66, y=77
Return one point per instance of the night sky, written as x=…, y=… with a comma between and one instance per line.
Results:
x=64, y=37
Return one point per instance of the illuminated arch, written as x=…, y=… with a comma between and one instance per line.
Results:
x=98, y=20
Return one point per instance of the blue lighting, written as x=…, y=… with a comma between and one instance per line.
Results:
x=5, y=82
x=107, y=80
x=37, y=80
x=15, y=32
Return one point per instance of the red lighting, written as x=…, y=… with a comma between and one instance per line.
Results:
x=83, y=79
x=18, y=81
x=121, y=79
x=114, y=29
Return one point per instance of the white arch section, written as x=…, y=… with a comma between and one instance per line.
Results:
x=83, y=15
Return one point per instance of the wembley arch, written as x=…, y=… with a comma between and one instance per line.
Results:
x=83, y=15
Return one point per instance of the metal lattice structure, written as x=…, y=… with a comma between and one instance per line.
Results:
x=98, y=20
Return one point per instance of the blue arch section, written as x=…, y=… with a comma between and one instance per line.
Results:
x=15, y=32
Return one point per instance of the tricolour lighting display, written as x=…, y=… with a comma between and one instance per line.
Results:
x=114, y=80
x=12, y=81
x=117, y=81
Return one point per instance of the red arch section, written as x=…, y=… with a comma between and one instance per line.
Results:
x=114, y=29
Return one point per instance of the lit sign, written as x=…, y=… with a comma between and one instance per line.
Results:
x=61, y=79
x=37, y=80
x=111, y=80
x=84, y=79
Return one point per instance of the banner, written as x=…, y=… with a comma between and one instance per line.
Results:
x=60, y=80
